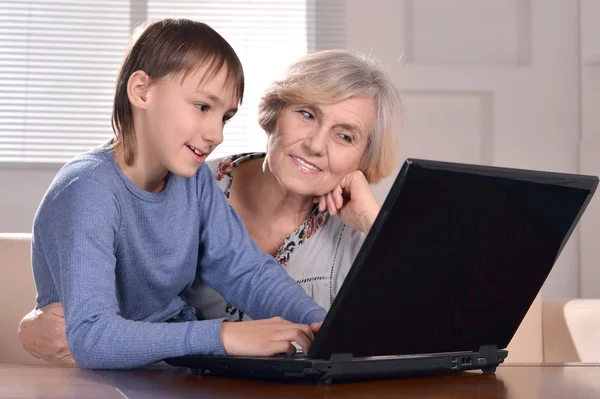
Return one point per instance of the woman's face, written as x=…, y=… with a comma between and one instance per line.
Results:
x=315, y=145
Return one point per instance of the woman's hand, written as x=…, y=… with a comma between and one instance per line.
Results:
x=42, y=334
x=353, y=201
x=266, y=337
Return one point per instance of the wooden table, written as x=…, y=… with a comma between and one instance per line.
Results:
x=510, y=381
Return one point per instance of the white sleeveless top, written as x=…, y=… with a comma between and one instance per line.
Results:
x=318, y=254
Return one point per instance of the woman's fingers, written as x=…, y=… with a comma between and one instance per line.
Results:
x=331, y=206
x=322, y=203
x=332, y=201
x=338, y=196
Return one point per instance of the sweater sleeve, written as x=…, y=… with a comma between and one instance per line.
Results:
x=231, y=263
x=78, y=229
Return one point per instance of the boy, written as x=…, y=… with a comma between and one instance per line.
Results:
x=123, y=229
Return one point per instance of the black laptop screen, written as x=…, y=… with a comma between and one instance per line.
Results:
x=453, y=263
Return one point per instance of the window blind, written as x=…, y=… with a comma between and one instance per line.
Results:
x=58, y=65
x=59, y=61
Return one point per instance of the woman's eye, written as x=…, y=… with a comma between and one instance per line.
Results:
x=202, y=107
x=307, y=114
x=346, y=138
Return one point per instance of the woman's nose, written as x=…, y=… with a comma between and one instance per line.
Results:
x=317, y=141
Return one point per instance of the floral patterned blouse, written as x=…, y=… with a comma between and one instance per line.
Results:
x=318, y=254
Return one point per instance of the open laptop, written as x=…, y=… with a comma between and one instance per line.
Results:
x=442, y=281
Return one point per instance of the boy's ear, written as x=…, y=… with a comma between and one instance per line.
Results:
x=137, y=89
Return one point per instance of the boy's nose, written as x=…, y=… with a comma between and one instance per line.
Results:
x=213, y=133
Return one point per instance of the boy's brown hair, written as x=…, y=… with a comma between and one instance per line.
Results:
x=165, y=47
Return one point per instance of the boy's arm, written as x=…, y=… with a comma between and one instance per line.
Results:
x=231, y=263
x=78, y=230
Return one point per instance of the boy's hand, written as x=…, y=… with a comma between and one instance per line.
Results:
x=42, y=334
x=266, y=337
x=315, y=327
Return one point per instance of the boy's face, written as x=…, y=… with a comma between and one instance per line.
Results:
x=184, y=119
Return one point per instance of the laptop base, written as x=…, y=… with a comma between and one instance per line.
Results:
x=343, y=367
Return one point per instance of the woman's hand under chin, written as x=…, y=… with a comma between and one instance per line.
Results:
x=352, y=201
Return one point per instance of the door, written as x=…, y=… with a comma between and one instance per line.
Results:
x=491, y=82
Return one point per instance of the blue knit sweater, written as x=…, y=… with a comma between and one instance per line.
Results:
x=118, y=257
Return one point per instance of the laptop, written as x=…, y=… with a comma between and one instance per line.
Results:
x=442, y=281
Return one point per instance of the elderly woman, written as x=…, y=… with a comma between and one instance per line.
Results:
x=331, y=122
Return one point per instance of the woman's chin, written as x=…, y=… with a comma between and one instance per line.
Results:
x=306, y=190
x=303, y=185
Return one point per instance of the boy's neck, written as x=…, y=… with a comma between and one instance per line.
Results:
x=143, y=173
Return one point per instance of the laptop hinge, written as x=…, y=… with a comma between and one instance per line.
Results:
x=488, y=358
x=488, y=351
x=336, y=366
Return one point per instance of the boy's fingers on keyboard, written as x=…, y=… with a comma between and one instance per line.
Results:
x=296, y=335
x=281, y=349
x=264, y=337
x=315, y=327
x=302, y=327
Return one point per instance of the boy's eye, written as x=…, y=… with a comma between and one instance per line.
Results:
x=202, y=107
x=226, y=118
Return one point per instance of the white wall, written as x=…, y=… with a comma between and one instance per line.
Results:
x=523, y=94
x=488, y=82
x=22, y=188
x=589, y=143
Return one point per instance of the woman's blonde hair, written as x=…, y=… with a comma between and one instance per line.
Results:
x=330, y=76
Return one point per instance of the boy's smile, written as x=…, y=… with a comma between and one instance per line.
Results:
x=197, y=155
